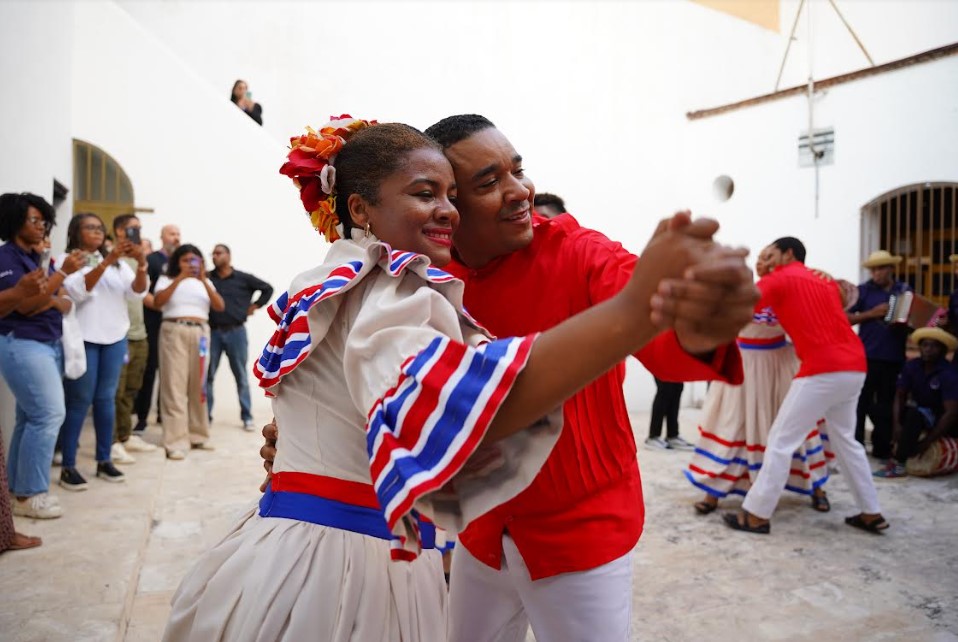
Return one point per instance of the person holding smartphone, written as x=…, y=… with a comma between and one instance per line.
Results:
x=242, y=97
x=185, y=297
x=100, y=291
x=126, y=227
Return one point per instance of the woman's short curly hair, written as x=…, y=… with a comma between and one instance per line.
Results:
x=13, y=213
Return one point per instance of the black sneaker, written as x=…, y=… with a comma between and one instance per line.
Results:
x=72, y=480
x=108, y=472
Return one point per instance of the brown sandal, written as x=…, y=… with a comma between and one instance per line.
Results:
x=874, y=526
x=820, y=503
x=704, y=508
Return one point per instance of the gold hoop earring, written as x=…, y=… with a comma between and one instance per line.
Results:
x=367, y=230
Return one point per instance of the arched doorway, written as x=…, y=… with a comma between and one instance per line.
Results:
x=100, y=184
x=918, y=222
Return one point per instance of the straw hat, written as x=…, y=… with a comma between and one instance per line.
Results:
x=881, y=258
x=948, y=339
x=953, y=258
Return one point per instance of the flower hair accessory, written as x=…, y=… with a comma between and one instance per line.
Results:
x=310, y=163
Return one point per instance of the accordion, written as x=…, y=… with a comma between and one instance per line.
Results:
x=913, y=310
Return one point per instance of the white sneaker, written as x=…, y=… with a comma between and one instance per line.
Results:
x=677, y=443
x=248, y=426
x=657, y=443
x=175, y=455
x=138, y=445
x=119, y=455
x=38, y=507
x=57, y=458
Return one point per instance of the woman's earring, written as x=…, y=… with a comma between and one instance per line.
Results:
x=367, y=229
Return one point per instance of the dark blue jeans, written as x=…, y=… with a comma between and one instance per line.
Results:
x=236, y=346
x=97, y=386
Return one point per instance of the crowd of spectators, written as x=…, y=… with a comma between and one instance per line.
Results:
x=91, y=329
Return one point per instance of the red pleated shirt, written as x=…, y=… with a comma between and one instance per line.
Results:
x=809, y=307
x=585, y=507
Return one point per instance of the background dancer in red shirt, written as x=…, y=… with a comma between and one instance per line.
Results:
x=809, y=308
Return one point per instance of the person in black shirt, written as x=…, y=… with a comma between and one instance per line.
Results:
x=228, y=329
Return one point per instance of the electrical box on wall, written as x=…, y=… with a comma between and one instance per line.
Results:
x=823, y=144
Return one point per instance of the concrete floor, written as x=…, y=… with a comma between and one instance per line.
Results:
x=107, y=568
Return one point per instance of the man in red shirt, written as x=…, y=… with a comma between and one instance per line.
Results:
x=833, y=366
x=559, y=554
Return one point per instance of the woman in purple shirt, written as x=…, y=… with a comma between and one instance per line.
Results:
x=31, y=355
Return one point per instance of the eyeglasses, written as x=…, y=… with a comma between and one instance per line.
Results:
x=37, y=220
x=93, y=228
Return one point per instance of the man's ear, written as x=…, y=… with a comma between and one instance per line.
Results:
x=358, y=210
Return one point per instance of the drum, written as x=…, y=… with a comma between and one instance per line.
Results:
x=941, y=458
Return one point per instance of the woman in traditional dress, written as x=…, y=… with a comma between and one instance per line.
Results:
x=398, y=410
x=736, y=420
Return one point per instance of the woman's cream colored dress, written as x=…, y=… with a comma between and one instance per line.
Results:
x=382, y=383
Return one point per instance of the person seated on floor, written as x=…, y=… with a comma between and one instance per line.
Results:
x=926, y=402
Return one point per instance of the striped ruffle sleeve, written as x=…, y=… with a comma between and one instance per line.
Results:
x=429, y=395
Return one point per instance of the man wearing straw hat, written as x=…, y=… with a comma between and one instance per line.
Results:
x=926, y=402
x=884, y=349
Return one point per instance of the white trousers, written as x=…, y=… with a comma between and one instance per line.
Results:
x=487, y=605
x=833, y=396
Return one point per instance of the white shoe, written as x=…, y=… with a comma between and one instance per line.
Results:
x=677, y=443
x=39, y=507
x=58, y=458
x=203, y=446
x=657, y=443
x=248, y=426
x=138, y=445
x=119, y=455
x=176, y=455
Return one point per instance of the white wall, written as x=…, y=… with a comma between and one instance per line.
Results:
x=35, y=43
x=190, y=154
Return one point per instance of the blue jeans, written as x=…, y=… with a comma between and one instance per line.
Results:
x=234, y=343
x=34, y=372
x=97, y=386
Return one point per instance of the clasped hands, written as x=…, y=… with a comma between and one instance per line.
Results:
x=705, y=291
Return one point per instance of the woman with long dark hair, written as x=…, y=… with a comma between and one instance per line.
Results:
x=243, y=98
x=185, y=296
x=100, y=291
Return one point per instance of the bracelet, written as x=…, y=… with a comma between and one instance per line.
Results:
x=61, y=272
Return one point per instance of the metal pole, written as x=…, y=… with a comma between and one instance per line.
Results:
x=852, y=32
x=791, y=36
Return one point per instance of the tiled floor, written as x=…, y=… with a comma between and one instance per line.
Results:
x=107, y=569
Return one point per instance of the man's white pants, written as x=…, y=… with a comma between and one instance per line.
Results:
x=487, y=605
x=833, y=396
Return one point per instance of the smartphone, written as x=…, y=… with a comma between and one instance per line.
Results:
x=92, y=259
x=133, y=234
x=195, y=264
x=45, y=257
x=249, y=95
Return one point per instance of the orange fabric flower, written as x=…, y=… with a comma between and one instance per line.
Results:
x=309, y=155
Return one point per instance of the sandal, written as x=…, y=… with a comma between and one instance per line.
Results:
x=820, y=503
x=875, y=526
x=704, y=507
x=739, y=522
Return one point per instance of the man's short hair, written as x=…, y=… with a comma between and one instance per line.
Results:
x=225, y=247
x=545, y=198
x=787, y=243
x=449, y=131
x=121, y=221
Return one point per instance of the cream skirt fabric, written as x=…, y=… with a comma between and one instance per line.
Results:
x=281, y=579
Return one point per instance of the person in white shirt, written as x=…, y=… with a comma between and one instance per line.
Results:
x=100, y=291
x=185, y=297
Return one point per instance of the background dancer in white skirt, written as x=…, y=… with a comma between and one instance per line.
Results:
x=809, y=307
x=736, y=420
x=394, y=401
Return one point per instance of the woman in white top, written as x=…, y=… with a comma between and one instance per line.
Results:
x=185, y=297
x=399, y=412
x=100, y=291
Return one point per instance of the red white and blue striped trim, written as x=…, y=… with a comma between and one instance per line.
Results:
x=291, y=342
x=765, y=316
x=752, y=343
x=422, y=431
